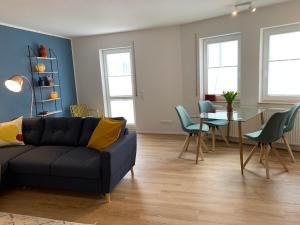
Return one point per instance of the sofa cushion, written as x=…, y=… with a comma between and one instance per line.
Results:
x=89, y=125
x=38, y=160
x=10, y=152
x=61, y=131
x=80, y=162
x=32, y=130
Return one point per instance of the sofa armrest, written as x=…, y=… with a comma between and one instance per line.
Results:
x=117, y=160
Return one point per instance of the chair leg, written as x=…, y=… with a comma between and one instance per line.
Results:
x=185, y=145
x=279, y=157
x=199, y=149
x=223, y=136
x=288, y=148
x=213, y=139
x=204, y=145
x=261, y=152
x=250, y=155
x=267, y=152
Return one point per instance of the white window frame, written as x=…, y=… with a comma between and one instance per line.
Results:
x=265, y=36
x=104, y=78
x=204, y=42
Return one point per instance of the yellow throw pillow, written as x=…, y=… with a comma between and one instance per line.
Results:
x=11, y=133
x=105, y=134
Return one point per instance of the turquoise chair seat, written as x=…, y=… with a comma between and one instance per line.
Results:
x=253, y=135
x=194, y=128
x=216, y=123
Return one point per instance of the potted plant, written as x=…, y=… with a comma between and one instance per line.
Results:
x=229, y=97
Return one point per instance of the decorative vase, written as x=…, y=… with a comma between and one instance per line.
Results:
x=229, y=107
x=40, y=67
x=42, y=51
x=53, y=95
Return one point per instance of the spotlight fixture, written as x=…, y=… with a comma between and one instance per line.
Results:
x=243, y=6
x=253, y=9
x=234, y=12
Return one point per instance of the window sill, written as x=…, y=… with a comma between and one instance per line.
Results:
x=276, y=103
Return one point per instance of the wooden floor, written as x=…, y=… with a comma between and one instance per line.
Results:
x=168, y=190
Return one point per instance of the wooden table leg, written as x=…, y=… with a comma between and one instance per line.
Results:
x=199, y=147
x=262, y=119
x=241, y=146
x=228, y=130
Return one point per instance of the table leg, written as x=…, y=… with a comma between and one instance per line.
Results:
x=199, y=147
x=241, y=146
x=262, y=119
x=228, y=130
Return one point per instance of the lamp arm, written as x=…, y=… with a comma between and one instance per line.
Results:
x=31, y=87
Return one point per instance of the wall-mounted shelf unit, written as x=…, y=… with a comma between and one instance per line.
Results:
x=50, y=86
x=48, y=100
x=44, y=105
x=50, y=113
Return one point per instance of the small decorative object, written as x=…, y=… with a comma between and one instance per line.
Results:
x=41, y=82
x=42, y=51
x=53, y=95
x=40, y=67
x=211, y=98
x=50, y=80
x=229, y=97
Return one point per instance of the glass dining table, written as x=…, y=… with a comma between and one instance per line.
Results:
x=239, y=115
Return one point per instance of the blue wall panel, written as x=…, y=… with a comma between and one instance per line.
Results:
x=14, y=60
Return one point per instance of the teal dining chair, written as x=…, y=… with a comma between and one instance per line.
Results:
x=208, y=107
x=190, y=128
x=264, y=138
x=289, y=127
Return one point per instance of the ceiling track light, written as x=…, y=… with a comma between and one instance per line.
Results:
x=249, y=6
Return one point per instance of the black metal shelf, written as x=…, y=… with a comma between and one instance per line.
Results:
x=41, y=93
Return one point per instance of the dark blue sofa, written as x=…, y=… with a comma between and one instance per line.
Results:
x=55, y=156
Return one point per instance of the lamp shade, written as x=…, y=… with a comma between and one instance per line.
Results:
x=14, y=83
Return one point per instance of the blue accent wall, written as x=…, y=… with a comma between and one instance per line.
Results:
x=14, y=60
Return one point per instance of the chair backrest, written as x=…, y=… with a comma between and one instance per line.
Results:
x=206, y=107
x=184, y=117
x=273, y=130
x=80, y=110
x=291, y=118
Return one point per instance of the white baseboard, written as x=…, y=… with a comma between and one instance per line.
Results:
x=232, y=139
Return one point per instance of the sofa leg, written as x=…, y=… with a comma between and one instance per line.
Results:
x=107, y=197
x=132, y=172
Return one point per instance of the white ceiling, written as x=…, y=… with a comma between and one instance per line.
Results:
x=89, y=17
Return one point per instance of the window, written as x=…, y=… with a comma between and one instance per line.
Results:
x=281, y=63
x=117, y=83
x=221, y=64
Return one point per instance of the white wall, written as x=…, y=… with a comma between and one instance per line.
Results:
x=166, y=63
x=249, y=24
x=158, y=72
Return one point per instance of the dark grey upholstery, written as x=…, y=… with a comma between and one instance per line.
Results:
x=61, y=131
x=88, y=126
x=32, y=130
x=38, y=160
x=80, y=162
x=58, y=157
x=11, y=152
